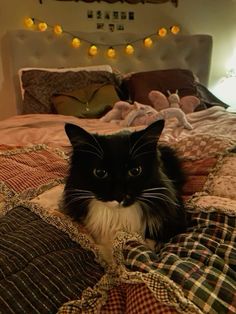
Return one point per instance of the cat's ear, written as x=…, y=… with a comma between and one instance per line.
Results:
x=156, y=128
x=83, y=141
x=150, y=133
x=77, y=135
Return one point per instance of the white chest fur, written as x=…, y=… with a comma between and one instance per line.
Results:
x=104, y=219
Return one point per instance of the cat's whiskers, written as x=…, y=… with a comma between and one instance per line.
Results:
x=98, y=144
x=155, y=189
x=91, y=152
x=143, y=153
x=158, y=196
x=136, y=147
x=77, y=200
x=162, y=197
x=153, y=193
x=96, y=150
x=167, y=180
x=153, y=138
x=144, y=200
x=78, y=195
x=80, y=191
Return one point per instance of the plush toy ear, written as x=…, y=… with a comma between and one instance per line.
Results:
x=116, y=112
x=113, y=114
x=189, y=103
x=124, y=108
x=137, y=105
x=122, y=105
x=158, y=100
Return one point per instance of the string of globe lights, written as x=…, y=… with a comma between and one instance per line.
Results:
x=39, y=25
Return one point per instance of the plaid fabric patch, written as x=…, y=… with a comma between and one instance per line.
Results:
x=133, y=299
x=201, y=262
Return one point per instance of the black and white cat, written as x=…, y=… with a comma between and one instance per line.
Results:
x=124, y=181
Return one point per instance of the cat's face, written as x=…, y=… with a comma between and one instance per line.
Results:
x=114, y=167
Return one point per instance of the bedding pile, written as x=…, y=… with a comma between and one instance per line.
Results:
x=49, y=263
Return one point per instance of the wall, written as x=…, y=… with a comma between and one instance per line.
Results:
x=215, y=17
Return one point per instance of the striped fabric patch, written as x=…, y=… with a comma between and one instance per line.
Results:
x=40, y=266
x=27, y=169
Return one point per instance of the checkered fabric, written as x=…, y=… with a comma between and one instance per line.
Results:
x=197, y=173
x=126, y=298
x=133, y=299
x=203, y=145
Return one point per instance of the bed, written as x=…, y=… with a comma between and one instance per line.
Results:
x=48, y=262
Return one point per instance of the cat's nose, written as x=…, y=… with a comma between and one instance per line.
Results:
x=117, y=195
x=126, y=201
x=122, y=197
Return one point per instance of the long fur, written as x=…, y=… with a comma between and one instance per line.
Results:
x=104, y=219
x=126, y=182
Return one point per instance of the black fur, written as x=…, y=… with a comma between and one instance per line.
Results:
x=157, y=187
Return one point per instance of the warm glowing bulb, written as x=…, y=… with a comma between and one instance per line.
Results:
x=93, y=50
x=57, y=29
x=174, y=29
x=129, y=49
x=162, y=32
x=75, y=42
x=147, y=42
x=111, y=53
x=42, y=26
x=28, y=22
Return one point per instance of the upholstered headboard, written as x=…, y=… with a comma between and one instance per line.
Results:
x=44, y=49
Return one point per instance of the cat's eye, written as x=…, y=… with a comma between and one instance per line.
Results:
x=134, y=172
x=100, y=173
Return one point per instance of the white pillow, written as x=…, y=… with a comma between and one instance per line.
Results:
x=105, y=67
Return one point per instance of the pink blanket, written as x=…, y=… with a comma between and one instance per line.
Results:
x=49, y=129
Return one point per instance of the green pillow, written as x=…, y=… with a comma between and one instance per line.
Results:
x=91, y=101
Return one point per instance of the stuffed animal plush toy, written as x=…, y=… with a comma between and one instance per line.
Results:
x=175, y=113
x=118, y=113
x=159, y=101
x=126, y=114
x=173, y=99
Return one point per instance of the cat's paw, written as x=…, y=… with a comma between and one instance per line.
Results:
x=151, y=244
x=106, y=252
x=154, y=245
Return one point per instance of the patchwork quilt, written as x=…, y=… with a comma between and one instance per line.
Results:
x=50, y=264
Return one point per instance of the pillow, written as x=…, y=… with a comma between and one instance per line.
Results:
x=139, y=84
x=91, y=101
x=207, y=98
x=105, y=67
x=40, y=85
